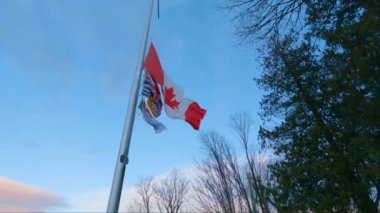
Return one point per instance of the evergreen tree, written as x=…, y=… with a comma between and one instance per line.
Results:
x=322, y=106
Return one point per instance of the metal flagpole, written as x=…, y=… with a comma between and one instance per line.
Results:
x=122, y=160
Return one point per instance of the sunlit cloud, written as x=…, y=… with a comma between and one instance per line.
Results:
x=19, y=197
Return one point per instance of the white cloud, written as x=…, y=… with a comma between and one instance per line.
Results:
x=97, y=200
x=19, y=197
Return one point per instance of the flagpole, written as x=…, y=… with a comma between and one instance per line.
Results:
x=122, y=159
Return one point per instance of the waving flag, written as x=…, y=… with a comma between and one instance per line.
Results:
x=151, y=103
x=176, y=105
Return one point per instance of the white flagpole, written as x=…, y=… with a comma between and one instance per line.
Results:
x=122, y=159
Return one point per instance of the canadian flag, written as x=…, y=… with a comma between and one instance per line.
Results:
x=176, y=105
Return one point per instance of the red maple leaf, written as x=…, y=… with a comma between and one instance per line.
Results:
x=170, y=98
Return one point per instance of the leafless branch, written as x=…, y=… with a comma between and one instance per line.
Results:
x=259, y=18
x=170, y=192
x=145, y=191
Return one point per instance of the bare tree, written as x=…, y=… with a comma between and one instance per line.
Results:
x=145, y=191
x=228, y=182
x=213, y=185
x=136, y=206
x=241, y=124
x=170, y=192
x=143, y=201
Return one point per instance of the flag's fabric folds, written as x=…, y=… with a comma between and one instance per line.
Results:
x=151, y=103
x=176, y=105
x=157, y=126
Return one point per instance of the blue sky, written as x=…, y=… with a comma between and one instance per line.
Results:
x=66, y=72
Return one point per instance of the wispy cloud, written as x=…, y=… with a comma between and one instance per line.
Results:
x=19, y=197
x=96, y=200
